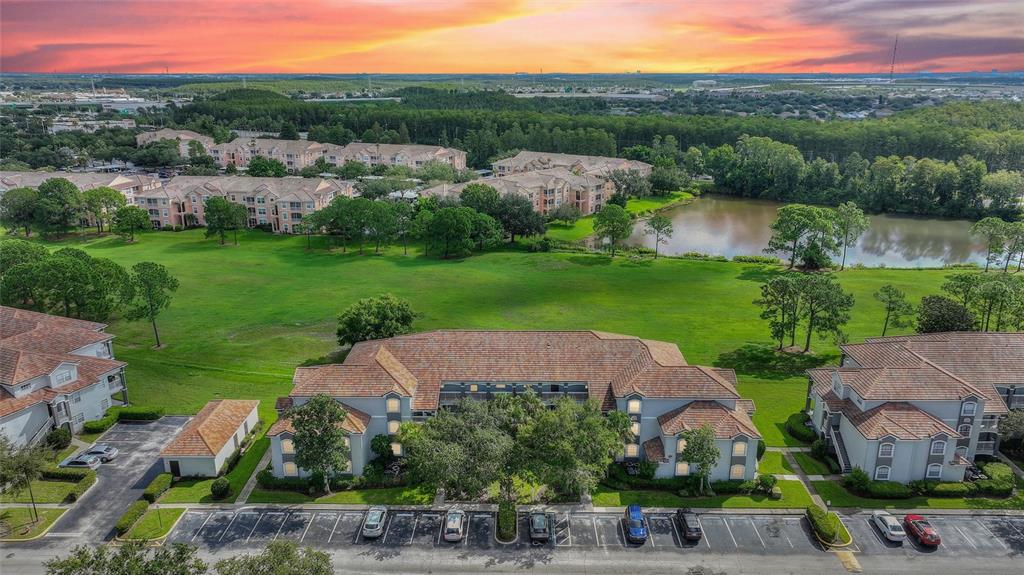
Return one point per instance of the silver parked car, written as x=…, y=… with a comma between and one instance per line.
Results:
x=454, y=525
x=81, y=462
x=105, y=452
x=373, y=525
x=889, y=525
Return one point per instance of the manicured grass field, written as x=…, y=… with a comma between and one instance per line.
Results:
x=198, y=490
x=382, y=496
x=45, y=491
x=835, y=493
x=810, y=465
x=585, y=226
x=19, y=521
x=156, y=523
x=794, y=495
x=774, y=463
x=245, y=316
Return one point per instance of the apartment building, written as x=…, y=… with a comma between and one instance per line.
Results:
x=279, y=203
x=918, y=407
x=73, y=124
x=54, y=372
x=547, y=189
x=127, y=184
x=211, y=438
x=527, y=161
x=294, y=154
x=383, y=383
x=182, y=136
x=409, y=155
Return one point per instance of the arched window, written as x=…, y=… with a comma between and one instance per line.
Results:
x=737, y=471
x=964, y=430
x=938, y=447
x=969, y=408
x=882, y=473
x=886, y=449
x=739, y=448
x=961, y=452
x=682, y=468
x=393, y=426
x=934, y=471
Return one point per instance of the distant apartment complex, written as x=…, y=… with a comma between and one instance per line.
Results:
x=72, y=124
x=129, y=185
x=918, y=407
x=299, y=154
x=54, y=372
x=384, y=383
x=527, y=161
x=279, y=203
x=547, y=189
x=182, y=136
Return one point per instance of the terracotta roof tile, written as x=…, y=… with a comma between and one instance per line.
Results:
x=355, y=422
x=727, y=423
x=90, y=370
x=654, y=450
x=897, y=419
x=211, y=429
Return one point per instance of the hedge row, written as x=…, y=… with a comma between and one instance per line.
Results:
x=156, y=488
x=795, y=426
x=618, y=478
x=826, y=528
x=115, y=414
x=102, y=424
x=506, y=520
x=82, y=478
x=266, y=480
x=135, y=512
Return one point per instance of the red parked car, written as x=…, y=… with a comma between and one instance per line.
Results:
x=919, y=528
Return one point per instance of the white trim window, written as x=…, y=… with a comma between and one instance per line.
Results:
x=62, y=377
x=934, y=471
x=396, y=449
x=682, y=468
x=969, y=408
x=886, y=449
x=739, y=448
x=938, y=447
x=393, y=426
x=632, y=450
x=882, y=473
x=737, y=471
x=394, y=405
x=964, y=430
x=634, y=428
x=290, y=469
x=287, y=447
x=633, y=406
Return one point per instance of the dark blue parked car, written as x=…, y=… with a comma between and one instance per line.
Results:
x=636, y=525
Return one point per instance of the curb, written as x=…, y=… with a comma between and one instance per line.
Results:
x=150, y=542
x=41, y=535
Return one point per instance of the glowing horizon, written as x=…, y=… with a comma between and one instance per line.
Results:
x=491, y=36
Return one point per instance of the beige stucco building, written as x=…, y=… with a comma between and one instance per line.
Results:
x=547, y=189
x=182, y=136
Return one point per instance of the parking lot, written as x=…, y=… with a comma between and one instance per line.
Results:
x=961, y=536
x=253, y=527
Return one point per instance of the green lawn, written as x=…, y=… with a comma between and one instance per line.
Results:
x=382, y=496
x=838, y=496
x=794, y=495
x=19, y=521
x=45, y=491
x=198, y=490
x=156, y=523
x=810, y=465
x=89, y=438
x=585, y=226
x=245, y=316
x=774, y=463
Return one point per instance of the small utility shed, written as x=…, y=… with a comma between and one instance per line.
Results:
x=213, y=435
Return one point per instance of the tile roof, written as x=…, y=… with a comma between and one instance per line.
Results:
x=90, y=370
x=355, y=422
x=525, y=183
x=897, y=419
x=417, y=364
x=211, y=429
x=654, y=450
x=527, y=159
x=727, y=423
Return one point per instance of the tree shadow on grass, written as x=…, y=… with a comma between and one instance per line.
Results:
x=764, y=362
x=760, y=273
x=592, y=260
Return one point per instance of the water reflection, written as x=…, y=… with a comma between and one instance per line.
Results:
x=723, y=225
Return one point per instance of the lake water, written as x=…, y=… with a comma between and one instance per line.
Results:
x=729, y=226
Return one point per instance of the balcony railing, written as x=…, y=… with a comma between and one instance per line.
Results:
x=986, y=447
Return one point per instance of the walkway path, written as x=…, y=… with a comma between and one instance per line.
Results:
x=787, y=453
x=251, y=483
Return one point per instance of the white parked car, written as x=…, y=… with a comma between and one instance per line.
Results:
x=373, y=525
x=889, y=525
x=454, y=525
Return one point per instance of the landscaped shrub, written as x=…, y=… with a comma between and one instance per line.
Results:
x=102, y=424
x=157, y=487
x=731, y=487
x=761, y=448
x=819, y=450
x=58, y=439
x=795, y=426
x=825, y=524
x=506, y=520
x=618, y=479
x=857, y=480
x=266, y=480
x=952, y=489
x=888, y=490
x=230, y=462
x=765, y=483
x=647, y=469
x=135, y=512
x=997, y=471
x=139, y=413
x=757, y=259
x=81, y=487
x=993, y=487
x=220, y=488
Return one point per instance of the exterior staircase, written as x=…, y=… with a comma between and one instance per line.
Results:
x=837, y=441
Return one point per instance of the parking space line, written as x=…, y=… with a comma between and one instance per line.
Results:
x=729, y=529
x=756, y=532
x=201, y=526
x=230, y=523
x=672, y=522
x=331, y=536
x=704, y=533
x=1014, y=527
x=960, y=531
x=253, y=530
x=650, y=533
x=390, y=520
x=994, y=536
x=312, y=516
x=874, y=531
x=622, y=532
x=288, y=516
x=788, y=540
x=415, y=524
x=597, y=537
x=568, y=529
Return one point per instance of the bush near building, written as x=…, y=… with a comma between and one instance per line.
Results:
x=156, y=488
x=135, y=512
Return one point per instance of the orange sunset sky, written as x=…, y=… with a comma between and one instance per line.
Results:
x=466, y=36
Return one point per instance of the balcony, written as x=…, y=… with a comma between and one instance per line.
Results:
x=985, y=448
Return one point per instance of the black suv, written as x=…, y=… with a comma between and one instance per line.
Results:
x=540, y=527
x=689, y=525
